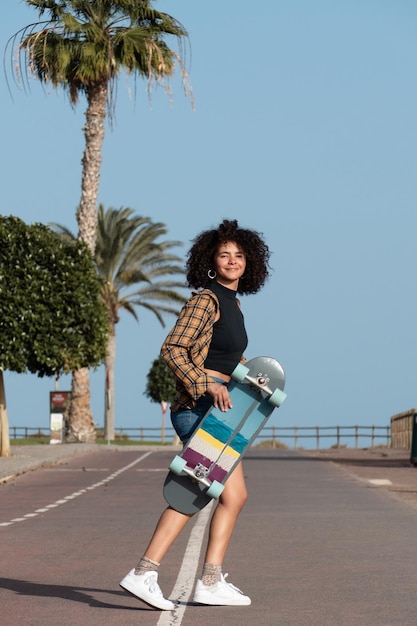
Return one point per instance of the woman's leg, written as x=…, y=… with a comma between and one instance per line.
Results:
x=213, y=588
x=169, y=526
x=171, y=523
x=225, y=516
x=142, y=581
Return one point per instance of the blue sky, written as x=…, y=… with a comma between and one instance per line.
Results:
x=304, y=129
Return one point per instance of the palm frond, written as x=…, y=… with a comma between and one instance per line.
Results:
x=131, y=261
x=86, y=42
x=134, y=265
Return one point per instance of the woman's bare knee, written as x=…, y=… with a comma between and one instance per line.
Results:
x=235, y=493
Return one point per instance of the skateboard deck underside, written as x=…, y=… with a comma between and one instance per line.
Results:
x=216, y=444
x=188, y=496
x=185, y=495
x=220, y=442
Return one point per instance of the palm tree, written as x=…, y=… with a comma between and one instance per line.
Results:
x=82, y=46
x=133, y=266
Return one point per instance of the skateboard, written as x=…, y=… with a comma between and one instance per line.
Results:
x=198, y=474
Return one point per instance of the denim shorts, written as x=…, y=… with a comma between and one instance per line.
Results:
x=186, y=421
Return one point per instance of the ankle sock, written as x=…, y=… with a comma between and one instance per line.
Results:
x=146, y=565
x=211, y=574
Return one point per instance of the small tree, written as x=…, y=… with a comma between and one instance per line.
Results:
x=52, y=319
x=160, y=387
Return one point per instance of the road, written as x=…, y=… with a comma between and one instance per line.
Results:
x=313, y=546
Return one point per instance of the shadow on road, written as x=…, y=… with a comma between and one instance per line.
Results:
x=81, y=594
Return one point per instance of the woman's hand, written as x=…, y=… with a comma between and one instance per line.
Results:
x=221, y=398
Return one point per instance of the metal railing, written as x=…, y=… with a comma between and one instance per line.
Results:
x=333, y=436
x=24, y=432
x=292, y=436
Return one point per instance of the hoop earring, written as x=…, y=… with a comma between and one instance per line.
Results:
x=212, y=274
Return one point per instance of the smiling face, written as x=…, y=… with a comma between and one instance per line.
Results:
x=230, y=264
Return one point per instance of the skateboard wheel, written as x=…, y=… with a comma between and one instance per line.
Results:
x=277, y=397
x=240, y=372
x=215, y=489
x=177, y=465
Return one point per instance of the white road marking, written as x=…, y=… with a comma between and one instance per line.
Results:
x=53, y=505
x=379, y=481
x=186, y=577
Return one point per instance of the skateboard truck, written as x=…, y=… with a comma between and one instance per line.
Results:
x=197, y=474
x=260, y=381
x=201, y=471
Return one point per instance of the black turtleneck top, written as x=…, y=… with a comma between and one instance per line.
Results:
x=229, y=335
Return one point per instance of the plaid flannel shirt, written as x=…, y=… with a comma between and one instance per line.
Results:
x=186, y=347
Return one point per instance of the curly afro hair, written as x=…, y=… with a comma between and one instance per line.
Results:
x=201, y=256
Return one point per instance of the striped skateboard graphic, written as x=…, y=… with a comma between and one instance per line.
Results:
x=199, y=473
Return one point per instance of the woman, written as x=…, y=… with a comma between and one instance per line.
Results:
x=202, y=350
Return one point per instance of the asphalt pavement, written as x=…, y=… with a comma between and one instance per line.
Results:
x=319, y=543
x=28, y=458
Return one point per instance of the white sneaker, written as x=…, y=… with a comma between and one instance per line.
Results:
x=220, y=594
x=146, y=588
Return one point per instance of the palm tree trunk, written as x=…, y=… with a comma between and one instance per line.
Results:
x=109, y=434
x=80, y=426
x=4, y=424
x=95, y=117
